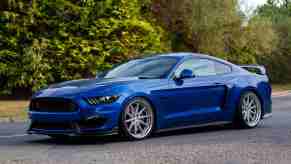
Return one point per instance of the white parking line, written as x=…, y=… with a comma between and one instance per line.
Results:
x=15, y=135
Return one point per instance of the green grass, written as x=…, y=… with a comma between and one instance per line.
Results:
x=281, y=87
x=17, y=109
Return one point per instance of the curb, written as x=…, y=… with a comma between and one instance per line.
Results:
x=282, y=93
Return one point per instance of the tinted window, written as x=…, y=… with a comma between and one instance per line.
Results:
x=221, y=68
x=147, y=68
x=186, y=65
x=203, y=67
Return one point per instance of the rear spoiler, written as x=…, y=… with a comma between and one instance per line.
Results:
x=258, y=69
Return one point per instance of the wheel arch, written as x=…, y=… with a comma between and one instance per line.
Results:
x=145, y=97
x=254, y=90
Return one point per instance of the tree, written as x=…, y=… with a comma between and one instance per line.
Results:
x=44, y=41
x=216, y=27
x=279, y=12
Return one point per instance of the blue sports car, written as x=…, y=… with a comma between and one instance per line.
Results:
x=154, y=94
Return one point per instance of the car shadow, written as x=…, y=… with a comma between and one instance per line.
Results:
x=82, y=140
x=197, y=130
x=102, y=140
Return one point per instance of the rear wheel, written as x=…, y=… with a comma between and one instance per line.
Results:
x=137, y=120
x=249, y=110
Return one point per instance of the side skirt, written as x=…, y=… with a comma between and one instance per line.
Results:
x=194, y=126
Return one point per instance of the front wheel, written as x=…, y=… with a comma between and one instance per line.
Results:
x=249, y=110
x=137, y=120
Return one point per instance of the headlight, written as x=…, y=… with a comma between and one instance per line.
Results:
x=101, y=100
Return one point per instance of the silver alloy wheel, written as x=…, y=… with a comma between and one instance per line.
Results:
x=251, y=109
x=138, y=119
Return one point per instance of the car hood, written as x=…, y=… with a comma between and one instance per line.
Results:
x=77, y=87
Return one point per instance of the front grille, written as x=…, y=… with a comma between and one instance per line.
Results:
x=52, y=105
x=52, y=126
x=92, y=123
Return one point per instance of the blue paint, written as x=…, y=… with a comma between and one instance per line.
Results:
x=177, y=103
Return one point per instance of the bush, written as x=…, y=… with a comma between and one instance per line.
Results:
x=44, y=41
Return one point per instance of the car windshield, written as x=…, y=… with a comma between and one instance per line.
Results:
x=143, y=68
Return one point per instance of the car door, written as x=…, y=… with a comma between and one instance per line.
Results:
x=199, y=99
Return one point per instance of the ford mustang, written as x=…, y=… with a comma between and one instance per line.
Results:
x=154, y=94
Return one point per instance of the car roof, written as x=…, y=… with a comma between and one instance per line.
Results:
x=187, y=55
x=184, y=55
x=190, y=54
x=180, y=54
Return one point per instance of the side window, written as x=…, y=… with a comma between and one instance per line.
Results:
x=186, y=65
x=199, y=67
x=221, y=68
x=203, y=67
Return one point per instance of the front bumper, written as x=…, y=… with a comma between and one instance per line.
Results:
x=88, y=120
x=74, y=129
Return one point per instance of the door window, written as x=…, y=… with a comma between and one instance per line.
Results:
x=221, y=68
x=203, y=67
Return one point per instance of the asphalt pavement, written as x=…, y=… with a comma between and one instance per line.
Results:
x=270, y=143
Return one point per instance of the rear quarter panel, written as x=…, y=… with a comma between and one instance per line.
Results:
x=258, y=84
x=262, y=87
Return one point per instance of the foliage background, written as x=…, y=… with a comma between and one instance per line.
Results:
x=48, y=41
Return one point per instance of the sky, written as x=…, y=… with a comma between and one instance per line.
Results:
x=255, y=3
x=248, y=6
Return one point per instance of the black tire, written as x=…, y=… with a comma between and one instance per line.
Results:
x=242, y=115
x=123, y=126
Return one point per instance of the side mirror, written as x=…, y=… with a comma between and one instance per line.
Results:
x=185, y=74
